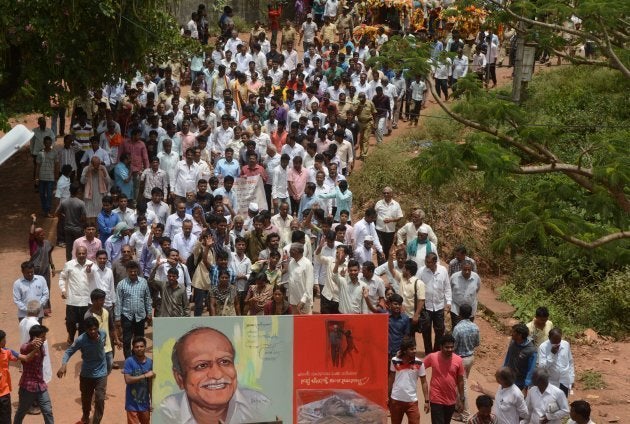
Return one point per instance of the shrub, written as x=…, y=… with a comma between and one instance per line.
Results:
x=599, y=301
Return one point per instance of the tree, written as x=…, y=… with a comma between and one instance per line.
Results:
x=571, y=164
x=67, y=47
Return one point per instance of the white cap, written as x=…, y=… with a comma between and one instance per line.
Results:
x=424, y=229
x=310, y=15
x=368, y=238
x=253, y=207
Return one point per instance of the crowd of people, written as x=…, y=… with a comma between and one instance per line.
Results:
x=149, y=220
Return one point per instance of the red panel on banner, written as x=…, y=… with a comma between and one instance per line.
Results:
x=336, y=355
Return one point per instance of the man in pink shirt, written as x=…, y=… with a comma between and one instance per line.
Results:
x=188, y=138
x=296, y=182
x=139, y=158
x=447, y=381
x=253, y=168
x=89, y=241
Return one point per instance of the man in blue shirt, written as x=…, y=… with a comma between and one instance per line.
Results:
x=106, y=220
x=93, y=377
x=521, y=356
x=138, y=372
x=466, y=335
x=227, y=165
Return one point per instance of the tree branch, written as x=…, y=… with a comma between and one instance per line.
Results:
x=585, y=244
x=553, y=27
x=617, y=63
x=554, y=167
x=584, y=177
x=489, y=130
x=581, y=61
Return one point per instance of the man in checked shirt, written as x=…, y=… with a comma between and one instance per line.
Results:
x=133, y=308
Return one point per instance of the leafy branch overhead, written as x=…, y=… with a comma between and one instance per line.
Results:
x=65, y=47
x=569, y=141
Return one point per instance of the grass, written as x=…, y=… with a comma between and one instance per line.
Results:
x=592, y=380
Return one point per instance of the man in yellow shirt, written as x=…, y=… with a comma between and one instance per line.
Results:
x=540, y=326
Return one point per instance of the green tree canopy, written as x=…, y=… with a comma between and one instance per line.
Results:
x=66, y=47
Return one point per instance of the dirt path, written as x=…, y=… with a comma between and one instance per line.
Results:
x=21, y=201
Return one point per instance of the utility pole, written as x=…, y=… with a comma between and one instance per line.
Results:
x=524, y=64
x=518, y=63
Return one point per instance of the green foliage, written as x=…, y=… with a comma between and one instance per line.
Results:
x=592, y=380
x=240, y=24
x=66, y=47
x=578, y=292
x=572, y=113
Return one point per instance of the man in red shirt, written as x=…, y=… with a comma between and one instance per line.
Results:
x=32, y=385
x=447, y=380
x=273, y=14
x=253, y=168
x=139, y=158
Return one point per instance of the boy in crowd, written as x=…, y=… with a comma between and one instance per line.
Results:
x=139, y=375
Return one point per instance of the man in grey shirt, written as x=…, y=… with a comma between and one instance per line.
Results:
x=72, y=210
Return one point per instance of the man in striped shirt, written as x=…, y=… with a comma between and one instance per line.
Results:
x=82, y=132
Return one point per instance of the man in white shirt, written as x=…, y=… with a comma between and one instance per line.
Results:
x=174, y=222
x=125, y=214
x=242, y=59
x=350, y=288
x=419, y=247
x=192, y=26
x=157, y=206
x=330, y=9
x=327, y=248
x=364, y=252
x=329, y=300
x=554, y=355
x=401, y=89
x=300, y=281
x=437, y=299
x=374, y=284
x=307, y=35
x=184, y=241
x=406, y=368
x=290, y=57
x=545, y=402
x=442, y=71
x=491, y=58
x=388, y=213
x=365, y=227
x=232, y=43
x=409, y=231
x=221, y=137
x=168, y=160
x=75, y=289
x=509, y=405
x=465, y=285
x=460, y=67
x=186, y=176
x=282, y=221
x=418, y=89
x=102, y=277
x=33, y=310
